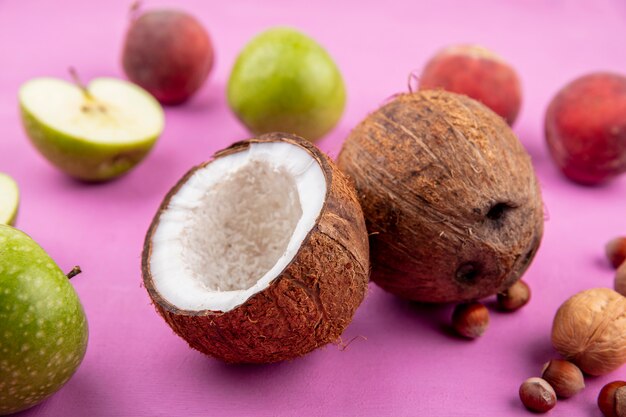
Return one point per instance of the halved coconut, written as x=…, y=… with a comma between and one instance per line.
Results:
x=259, y=255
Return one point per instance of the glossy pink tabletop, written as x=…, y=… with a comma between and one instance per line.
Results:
x=406, y=363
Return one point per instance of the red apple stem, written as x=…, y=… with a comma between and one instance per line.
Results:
x=135, y=10
x=76, y=79
x=413, y=81
x=75, y=271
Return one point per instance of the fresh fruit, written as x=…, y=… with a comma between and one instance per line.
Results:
x=449, y=195
x=43, y=329
x=285, y=81
x=478, y=73
x=585, y=128
x=9, y=199
x=514, y=297
x=537, y=395
x=169, y=53
x=470, y=320
x=565, y=377
x=92, y=133
x=616, y=251
x=589, y=329
x=260, y=255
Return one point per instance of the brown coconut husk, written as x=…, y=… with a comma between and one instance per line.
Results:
x=449, y=194
x=308, y=305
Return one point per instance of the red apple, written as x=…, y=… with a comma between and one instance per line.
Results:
x=478, y=73
x=585, y=128
x=169, y=53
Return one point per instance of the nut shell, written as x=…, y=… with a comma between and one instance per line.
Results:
x=470, y=320
x=589, y=329
x=514, y=297
x=537, y=395
x=612, y=399
x=616, y=251
x=565, y=377
x=620, y=279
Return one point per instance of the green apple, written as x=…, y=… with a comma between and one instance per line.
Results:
x=92, y=133
x=43, y=329
x=285, y=81
x=9, y=199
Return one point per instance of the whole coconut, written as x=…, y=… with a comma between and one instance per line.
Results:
x=449, y=194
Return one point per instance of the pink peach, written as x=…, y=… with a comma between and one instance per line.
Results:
x=478, y=73
x=585, y=128
x=169, y=53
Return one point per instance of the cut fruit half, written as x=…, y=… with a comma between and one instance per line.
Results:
x=92, y=133
x=9, y=199
x=259, y=255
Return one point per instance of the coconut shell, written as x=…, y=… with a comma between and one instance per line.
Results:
x=449, y=194
x=308, y=305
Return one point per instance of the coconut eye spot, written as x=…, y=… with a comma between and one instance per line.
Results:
x=498, y=211
x=468, y=272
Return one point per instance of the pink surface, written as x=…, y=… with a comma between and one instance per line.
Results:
x=408, y=365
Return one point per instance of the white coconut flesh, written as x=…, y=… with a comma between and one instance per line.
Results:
x=234, y=226
x=114, y=112
x=9, y=199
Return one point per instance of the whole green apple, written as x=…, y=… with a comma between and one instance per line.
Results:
x=95, y=132
x=43, y=329
x=285, y=81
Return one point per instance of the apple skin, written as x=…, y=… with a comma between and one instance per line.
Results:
x=284, y=81
x=43, y=328
x=83, y=160
x=477, y=73
x=169, y=53
x=585, y=128
x=13, y=218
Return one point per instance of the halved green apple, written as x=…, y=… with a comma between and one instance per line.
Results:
x=9, y=199
x=92, y=133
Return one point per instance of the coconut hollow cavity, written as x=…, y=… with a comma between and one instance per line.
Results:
x=260, y=254
x=234, y=225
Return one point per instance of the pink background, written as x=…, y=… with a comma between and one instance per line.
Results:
x=409, y=364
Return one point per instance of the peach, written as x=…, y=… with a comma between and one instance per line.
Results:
x=169, y=53
x=585, y=128
x=478, y=73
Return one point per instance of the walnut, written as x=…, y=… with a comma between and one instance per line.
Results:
x=589, y=329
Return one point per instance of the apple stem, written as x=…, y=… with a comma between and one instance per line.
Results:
x=135, y=9
x=79, y=83
x=75, y=271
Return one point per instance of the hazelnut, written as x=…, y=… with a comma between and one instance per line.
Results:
x=537, y=395
x=470, y=320
x=565, y=377
x=616, y=251
x=612, y=399
x=589, y=329
x=515, y=297
x=620, y=279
